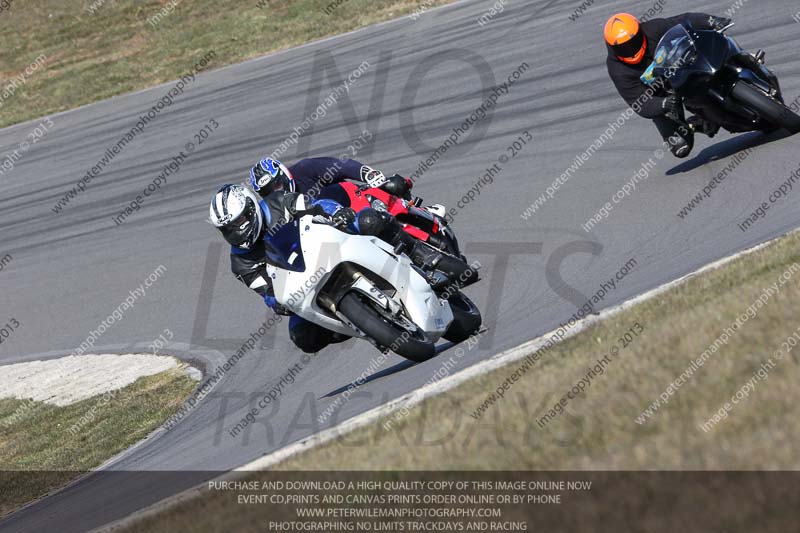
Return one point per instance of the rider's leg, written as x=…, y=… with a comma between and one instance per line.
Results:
x=701, y=125
x=308, y=336
x=387, y=228
x=678, y=136
x=701, y=122
x=379, y=224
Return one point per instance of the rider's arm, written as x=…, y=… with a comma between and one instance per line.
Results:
x=324, y=210
x=699, y=21
x=634, y=92
x=257, y=279
x=312, y=174
x=254, y=275
x=656, y=28
x=322, y=171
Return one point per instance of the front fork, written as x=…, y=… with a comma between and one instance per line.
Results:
x=723, y=109
x=752, y=69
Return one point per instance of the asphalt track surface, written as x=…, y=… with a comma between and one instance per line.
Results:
x=71, y=270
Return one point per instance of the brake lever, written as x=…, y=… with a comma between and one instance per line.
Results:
x=726, y=28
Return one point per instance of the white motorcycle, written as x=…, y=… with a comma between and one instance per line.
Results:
x=358, y=285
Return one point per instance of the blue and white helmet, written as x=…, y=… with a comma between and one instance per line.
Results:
x=270, y=175
x=235, y=212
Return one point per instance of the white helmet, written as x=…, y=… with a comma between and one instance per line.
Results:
x=236, y=214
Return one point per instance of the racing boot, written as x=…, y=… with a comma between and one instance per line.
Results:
x=679, y=146
x=700, y=125
x=442, y=269
x=422, y=255
x=387, y=228
x=677, y=135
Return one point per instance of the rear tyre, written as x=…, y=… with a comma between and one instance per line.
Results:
x=767, y=108
x=466, y=318
x=380, y=327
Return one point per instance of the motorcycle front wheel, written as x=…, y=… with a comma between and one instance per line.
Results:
x=767, y=108
x=466, y=318
x=385, y=330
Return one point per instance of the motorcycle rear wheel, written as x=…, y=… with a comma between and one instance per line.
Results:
x=378, y=326
x=767, y=108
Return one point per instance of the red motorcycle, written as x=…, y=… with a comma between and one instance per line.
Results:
x=421, y=223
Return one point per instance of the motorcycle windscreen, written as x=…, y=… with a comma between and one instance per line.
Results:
x=676, y=50
x=283, y=247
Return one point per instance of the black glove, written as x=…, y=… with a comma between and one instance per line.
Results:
x=717, y=23
x=343, y=218
x=281, y=309
x=272, y=302
x=672, y=107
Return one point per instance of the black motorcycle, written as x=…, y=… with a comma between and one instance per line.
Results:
x=719, y=81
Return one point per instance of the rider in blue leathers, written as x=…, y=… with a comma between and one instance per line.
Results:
x=311, y=175
x=248, y=222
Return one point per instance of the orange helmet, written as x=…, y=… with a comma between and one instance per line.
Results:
x=625, y=37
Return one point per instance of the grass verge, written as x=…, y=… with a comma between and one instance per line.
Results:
x=598, y=429
x=94, y=49
x=62, y=442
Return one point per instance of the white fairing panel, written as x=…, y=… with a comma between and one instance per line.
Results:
x=325, y=247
